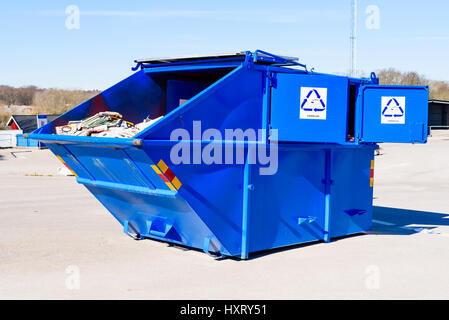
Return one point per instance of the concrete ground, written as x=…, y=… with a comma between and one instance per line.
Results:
x=57, y=241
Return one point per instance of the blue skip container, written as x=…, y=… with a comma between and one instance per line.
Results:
x=253, y=151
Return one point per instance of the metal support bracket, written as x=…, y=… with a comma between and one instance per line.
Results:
x=208, y=243
x=126, y=229
x=308, y=219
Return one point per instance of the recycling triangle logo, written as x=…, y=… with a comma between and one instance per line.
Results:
x=313, y=102
x=393, y=109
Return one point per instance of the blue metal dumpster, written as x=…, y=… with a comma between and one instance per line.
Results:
x=253, y=152
x=27, y=143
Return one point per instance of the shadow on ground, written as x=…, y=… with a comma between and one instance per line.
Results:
x=385, y=221
x=403, y=221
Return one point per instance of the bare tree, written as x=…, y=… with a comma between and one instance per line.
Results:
x=55, y=101
x=437, y=89
x=8, y=95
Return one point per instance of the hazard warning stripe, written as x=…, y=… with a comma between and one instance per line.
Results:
x=176, y=183
x=67, y=166
x=167, y=182
x=169, y=174
x=371, y=176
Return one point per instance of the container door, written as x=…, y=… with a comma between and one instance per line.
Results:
x=309, y=107
x=393, y=114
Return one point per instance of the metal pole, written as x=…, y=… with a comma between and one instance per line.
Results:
x=353, y=38
x=327, y=194
x=246, y=201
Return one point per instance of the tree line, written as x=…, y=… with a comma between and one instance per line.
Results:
x=17, y=96
x=50, y=101
x=438, y=90
x=41, y=101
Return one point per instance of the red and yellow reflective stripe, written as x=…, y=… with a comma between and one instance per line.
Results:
x=167, y=182
x=169, y=174
x=371, y=175
x=63, y=162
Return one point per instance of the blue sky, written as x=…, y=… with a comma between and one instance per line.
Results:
x=38, y=49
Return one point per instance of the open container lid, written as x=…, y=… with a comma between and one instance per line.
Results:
x=191, y=58
x=257, y=56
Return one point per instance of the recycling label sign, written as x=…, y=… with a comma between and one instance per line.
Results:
x=392, y=110
x=313, y=103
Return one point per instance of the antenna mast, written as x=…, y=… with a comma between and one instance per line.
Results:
x=353, y=38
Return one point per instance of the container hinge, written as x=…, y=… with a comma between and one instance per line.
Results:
x=138, y=65
x=272, y=79
x=263, y=56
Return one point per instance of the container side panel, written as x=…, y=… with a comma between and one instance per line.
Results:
x=124, y=181
x=232, y=102
x=214, y=192
x=351, y=191
x=310, y=108
x=179, y=92
x=122, y=166
x=147, y=167
x=288, y=207
x=148, y=214
x=69, y=160
x=110, y=165
x=394, y=114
